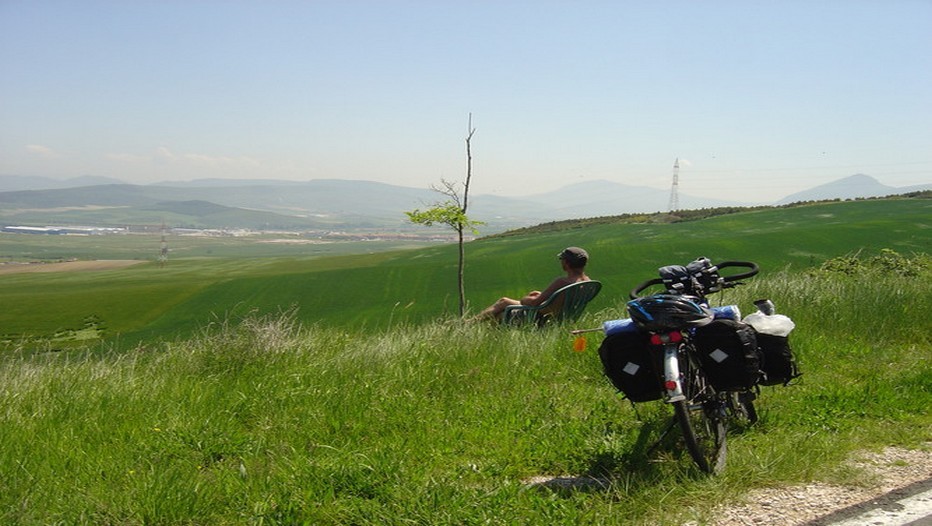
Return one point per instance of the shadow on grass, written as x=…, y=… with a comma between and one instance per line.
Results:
x=657, y=451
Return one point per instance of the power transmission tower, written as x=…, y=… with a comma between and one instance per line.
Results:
x=163, y=251
x=674, y=195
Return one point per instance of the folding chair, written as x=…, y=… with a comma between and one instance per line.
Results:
x=567, y=303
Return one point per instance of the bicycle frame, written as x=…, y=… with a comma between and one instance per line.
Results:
x=670, y=344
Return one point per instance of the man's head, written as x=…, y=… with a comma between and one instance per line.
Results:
x=575, y=257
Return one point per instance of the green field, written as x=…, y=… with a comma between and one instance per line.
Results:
x=373, y=286
x=294, y=389
x=146, y=247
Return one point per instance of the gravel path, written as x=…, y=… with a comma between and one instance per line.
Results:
x=887, y=470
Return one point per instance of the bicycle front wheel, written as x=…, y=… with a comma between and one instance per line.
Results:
x=702, y=421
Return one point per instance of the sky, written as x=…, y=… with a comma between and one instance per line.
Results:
x=756, y=99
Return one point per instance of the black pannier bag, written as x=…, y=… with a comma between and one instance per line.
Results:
x=628, y=362
x=779, y=365
x=728, y=352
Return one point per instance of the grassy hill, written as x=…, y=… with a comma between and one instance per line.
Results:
x=380, y=289
x=418, y=286
x=322, y=204
x=122, y=206
x=368, y=405
x=263, y=420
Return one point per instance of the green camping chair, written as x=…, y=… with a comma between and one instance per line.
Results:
x=567, y=303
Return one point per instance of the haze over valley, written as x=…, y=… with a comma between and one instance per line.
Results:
x=345, y=206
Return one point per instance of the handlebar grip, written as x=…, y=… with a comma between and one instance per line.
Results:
x=752, y=267
x=636, y=291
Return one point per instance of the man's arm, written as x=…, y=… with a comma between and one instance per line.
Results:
x=531, y=299
x=535, y=298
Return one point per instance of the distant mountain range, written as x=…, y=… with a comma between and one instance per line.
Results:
x=851, y=187
x=14, y=183
x=330, y=204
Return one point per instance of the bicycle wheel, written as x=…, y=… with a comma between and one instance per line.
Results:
x=702, y=419
x=741, y=407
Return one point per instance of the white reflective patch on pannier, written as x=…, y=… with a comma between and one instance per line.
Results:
x=631, y=368
x=718, y=355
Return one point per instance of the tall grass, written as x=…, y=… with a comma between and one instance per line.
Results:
x=263, y=420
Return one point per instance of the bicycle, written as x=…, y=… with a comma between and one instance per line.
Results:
x=662, y=352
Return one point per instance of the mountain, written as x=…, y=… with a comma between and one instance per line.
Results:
x=851, y=187
x=125, y=205
x=13, y=183
x=327, y=203
x=217, y=182
x=334, y=204
x=580, y=200
x=600, y=198
x=204, y=214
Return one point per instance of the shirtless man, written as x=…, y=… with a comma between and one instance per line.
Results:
x=573, y=260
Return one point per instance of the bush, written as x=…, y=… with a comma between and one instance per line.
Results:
x=888, y=261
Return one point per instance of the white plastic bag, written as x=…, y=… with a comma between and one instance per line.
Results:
x=774, y=324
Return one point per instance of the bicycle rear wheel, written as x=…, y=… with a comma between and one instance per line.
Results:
x=741, y=407
x=702, y=419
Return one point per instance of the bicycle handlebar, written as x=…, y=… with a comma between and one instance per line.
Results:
x=752, y=267
x=636, y=291
x=728, y=281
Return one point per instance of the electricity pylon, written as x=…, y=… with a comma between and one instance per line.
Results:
x=674, y=195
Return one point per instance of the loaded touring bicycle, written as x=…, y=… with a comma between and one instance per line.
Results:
x=707, y=362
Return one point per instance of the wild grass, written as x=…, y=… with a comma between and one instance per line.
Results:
x=262, y=419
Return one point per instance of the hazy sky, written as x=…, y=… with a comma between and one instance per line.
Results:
x=758, y=99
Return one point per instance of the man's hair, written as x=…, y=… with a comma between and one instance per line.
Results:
x=575, y=257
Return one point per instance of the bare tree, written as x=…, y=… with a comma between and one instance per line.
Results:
x=452, y=212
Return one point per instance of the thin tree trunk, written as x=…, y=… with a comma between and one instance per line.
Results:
x=462, y=262
x=462, y=266
x=468, y=164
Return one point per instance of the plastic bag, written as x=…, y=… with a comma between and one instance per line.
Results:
x=773, y=324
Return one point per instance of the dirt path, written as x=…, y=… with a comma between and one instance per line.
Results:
x=886, y=471
x=67, y=266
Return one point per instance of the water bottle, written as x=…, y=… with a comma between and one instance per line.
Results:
x=726, y=312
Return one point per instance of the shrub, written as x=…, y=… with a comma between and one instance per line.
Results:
x=887, y=261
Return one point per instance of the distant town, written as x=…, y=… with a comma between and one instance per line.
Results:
x=64, y=230
x=329, y=235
